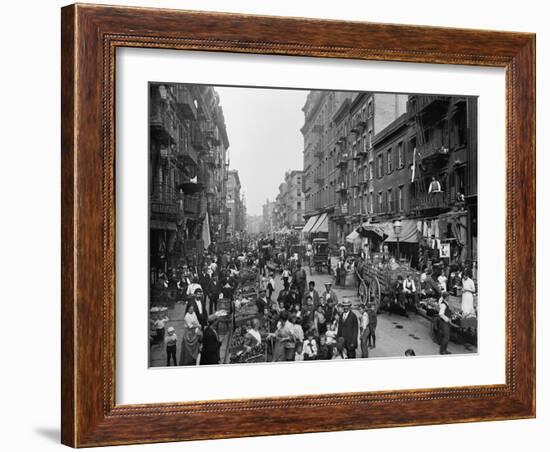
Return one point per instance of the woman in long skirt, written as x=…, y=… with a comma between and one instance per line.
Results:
x=468, y=290
x=190, y=344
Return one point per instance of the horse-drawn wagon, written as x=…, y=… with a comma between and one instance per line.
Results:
x=320, y=257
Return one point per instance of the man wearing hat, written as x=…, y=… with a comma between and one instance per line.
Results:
x=329, y=294
x=200, y=307
x=348, y=328
x=261, y=302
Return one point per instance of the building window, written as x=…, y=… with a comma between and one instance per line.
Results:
x=380, y=165
x=371, y=170
x=370, y=109
x=299, y=205
x=380, y=202
x=400, y=199
x=390, y=200
x=371, y=202
x=389, y=161
x=370, y=138
x=400, y=155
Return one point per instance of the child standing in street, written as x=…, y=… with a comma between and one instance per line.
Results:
x=159, y=327
x=171, y=341
x=270, y=285
x=310, y=347
x=364, y=331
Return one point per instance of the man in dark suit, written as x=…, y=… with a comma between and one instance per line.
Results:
x=200, y=307
x=261, y=302
x=214, y=294
x=348, y=328
x=299, y=279
x=210, y=353
x=330, y=310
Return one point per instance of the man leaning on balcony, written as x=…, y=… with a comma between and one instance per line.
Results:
x=435, y=186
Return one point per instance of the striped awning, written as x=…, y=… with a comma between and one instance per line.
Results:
x=310, y=223
x=322, y=224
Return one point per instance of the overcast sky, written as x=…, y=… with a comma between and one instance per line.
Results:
x=263, y=126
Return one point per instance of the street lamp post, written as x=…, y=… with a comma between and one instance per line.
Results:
x=397, y=227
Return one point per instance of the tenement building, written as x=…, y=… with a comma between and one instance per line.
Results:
x=425, y=177
x=290, y=204
x=339, y=131
x=235, y=205
x=320, y=177
x=187, y=152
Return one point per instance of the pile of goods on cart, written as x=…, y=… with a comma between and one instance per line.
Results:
x=379, y=282
x=463, y=328
x=239, y=353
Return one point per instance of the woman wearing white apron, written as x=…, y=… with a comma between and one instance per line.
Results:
x=468, y=290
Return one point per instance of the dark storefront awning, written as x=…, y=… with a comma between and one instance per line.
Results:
x=372, y=231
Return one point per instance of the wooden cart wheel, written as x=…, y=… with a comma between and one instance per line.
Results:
x=373, y=292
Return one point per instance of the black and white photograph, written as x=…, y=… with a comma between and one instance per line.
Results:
x=302, y=225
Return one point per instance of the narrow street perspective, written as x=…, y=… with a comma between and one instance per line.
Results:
x=292, y=225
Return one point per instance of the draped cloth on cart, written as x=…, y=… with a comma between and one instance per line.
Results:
x=409, y=232
x=353, y=237
x=310, y=223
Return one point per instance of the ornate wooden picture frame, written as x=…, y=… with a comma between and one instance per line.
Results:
x=90, y=37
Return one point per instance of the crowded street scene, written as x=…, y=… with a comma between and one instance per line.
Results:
x=357, y=240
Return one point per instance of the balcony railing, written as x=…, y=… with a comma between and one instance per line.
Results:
x=424, y=201
x=341, y=188
x=342, y=163
x=165, y=200
x=211, y=132
x=185, y=102
x=163, y=119
x=319, y=180
x=184, y=151
x=210, y=158
x=433, y=152
x=318, y=128
x=192, y=204
x=417, y=104
x=197, y=138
